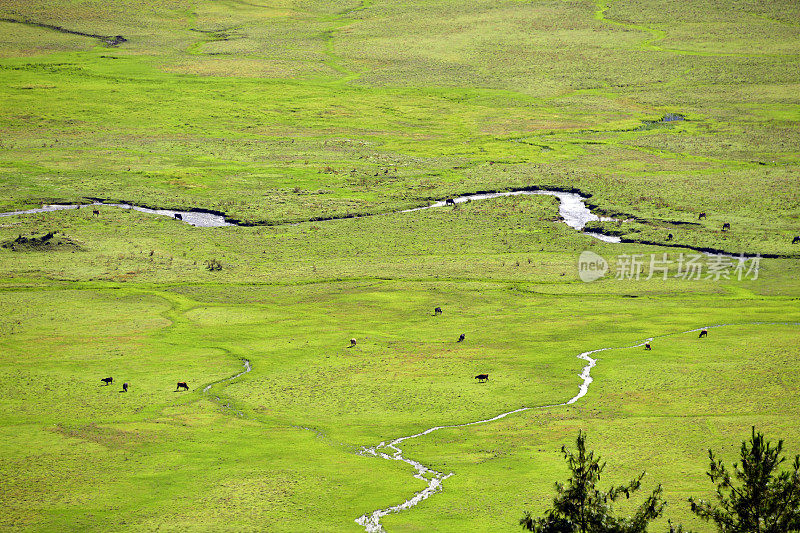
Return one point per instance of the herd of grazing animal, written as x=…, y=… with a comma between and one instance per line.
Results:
x=482, y=378
x=703, y=333
x=109, y=380
x=726, y=226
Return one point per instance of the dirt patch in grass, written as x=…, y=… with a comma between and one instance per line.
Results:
x=105, y=436
x=49, y=242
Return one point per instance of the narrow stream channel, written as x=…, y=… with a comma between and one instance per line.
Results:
x=372, y=521
x=572, y=209
x=200, y=219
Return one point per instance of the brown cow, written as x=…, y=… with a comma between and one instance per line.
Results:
x=482, y=378
x=703, y=333
x=182, y=385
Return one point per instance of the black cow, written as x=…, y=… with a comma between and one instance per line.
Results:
x=669, y=237
x=460, y=338
x=482, y=378
x=449, y=201
x=124, y=387
x=107, y=381
x=703, y=333
x=178, y=216
x=647, y=346
x=796, y=240
x=702, y=216
x=352, y=342
x=95, y=212
x=181, y=385
x=437, y=311
x=726, y=226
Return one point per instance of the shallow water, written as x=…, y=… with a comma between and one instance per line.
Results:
x=371, y=521
x=194, y=218
x=572, y=208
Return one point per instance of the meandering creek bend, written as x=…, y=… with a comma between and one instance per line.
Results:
x=572, y=208
x=371, y=522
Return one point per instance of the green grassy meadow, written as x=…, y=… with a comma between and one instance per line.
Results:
x=280, y=113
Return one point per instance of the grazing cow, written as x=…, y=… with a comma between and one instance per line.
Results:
x=669, y=237
x=178, y=216
x=647, y=346
x=702, y=216
x=124, y=387
x=182, y=385
x=95, y=212
x=352, y=342
x=460, y=338
x=703, y=333
x=796, y=240
x=482, y=378
x=449, y=201
x=726, y=226
x=107, y=381
x=437, y=311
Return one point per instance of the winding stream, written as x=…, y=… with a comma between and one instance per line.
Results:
x=372, y=521
x=201, y=219
x=572, y=209
x=247, y=368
